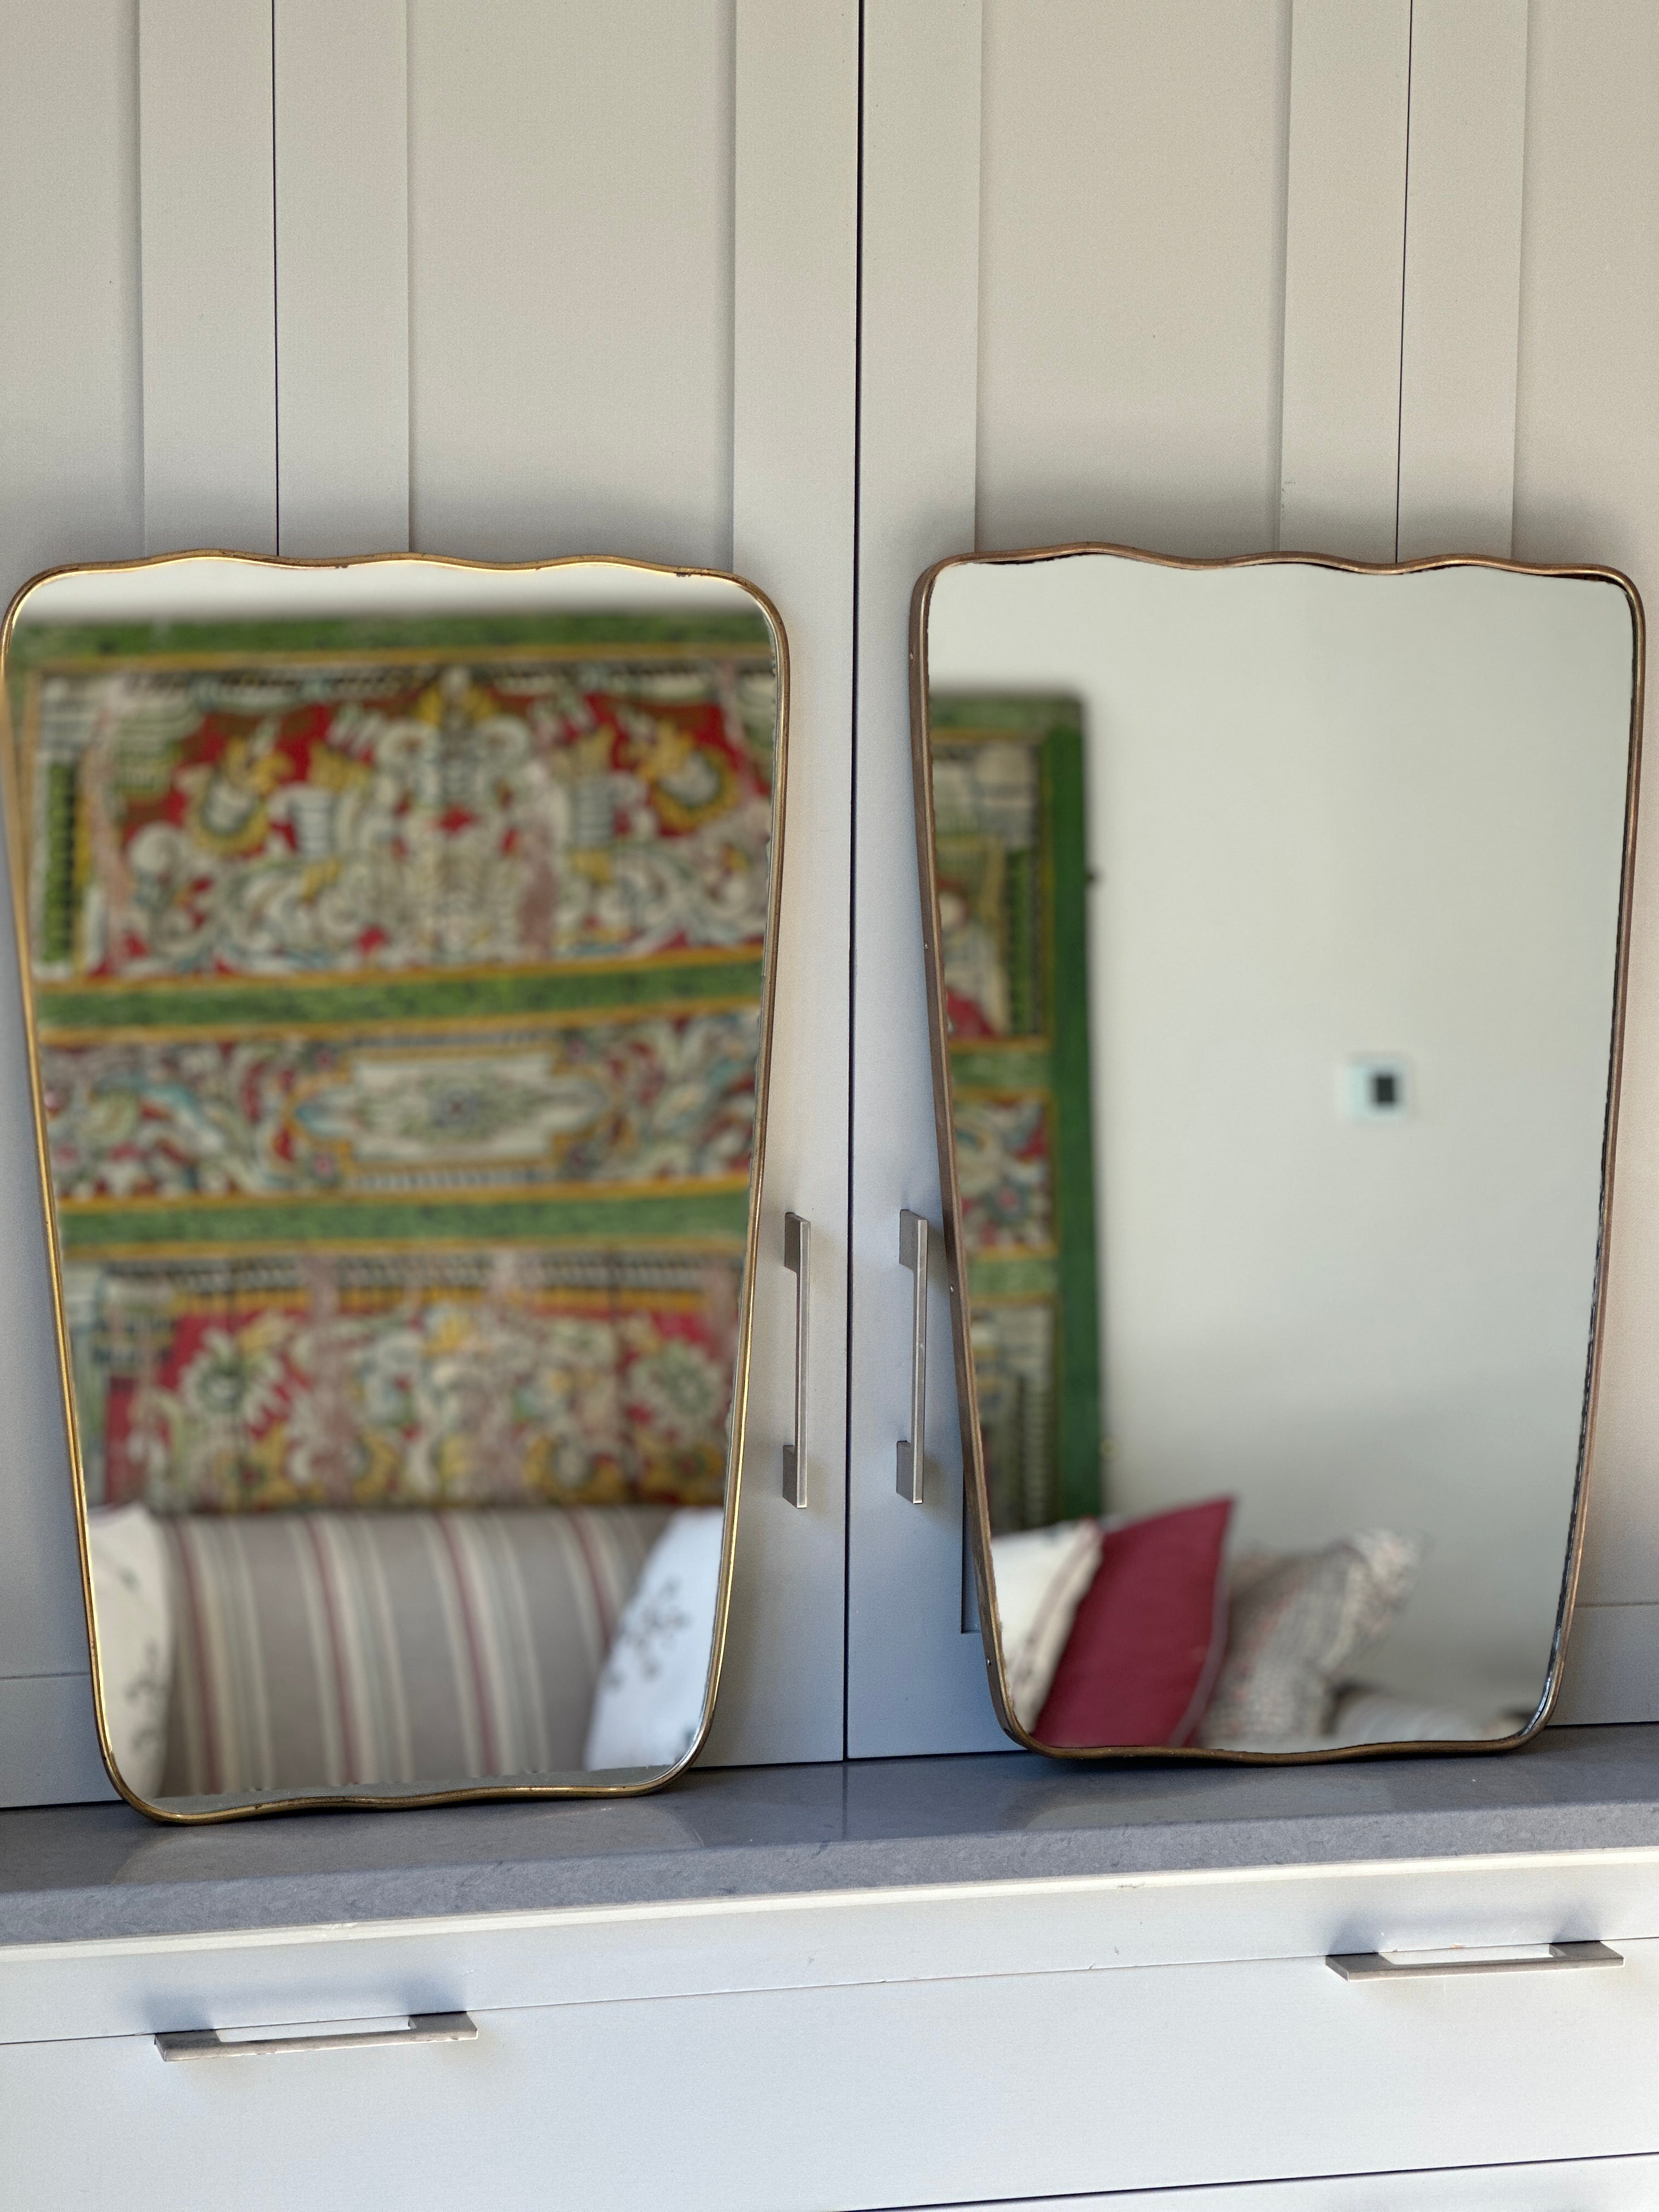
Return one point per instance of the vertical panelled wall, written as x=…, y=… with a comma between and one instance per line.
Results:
x=511, y=283
x=72, y=489
x=1363, y=277
x=1586, y=487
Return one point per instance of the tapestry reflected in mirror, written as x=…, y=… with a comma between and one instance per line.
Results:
x=1276, y=916
x=396, y=945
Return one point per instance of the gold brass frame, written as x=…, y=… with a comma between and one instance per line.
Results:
x=973, y=1458
x=348, y=1796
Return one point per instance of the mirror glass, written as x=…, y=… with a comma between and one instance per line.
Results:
x=395, y=939
x=1275, y=930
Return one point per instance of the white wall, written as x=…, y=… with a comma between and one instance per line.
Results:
x=1332, y=815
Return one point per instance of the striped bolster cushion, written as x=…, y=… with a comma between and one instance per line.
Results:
x=324, y=1649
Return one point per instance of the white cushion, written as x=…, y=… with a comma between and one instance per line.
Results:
x=649, y=1699
x=1298, y=1619
x=132, y=1605
x=1384, y=1717
x=1040, y=1577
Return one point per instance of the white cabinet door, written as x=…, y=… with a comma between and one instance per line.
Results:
x=532, y=280
x=72, y=489
x=631, y=290
x=915, y=1670
x=1073, y=227
x=1159, y=274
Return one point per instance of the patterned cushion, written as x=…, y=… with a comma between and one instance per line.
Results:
x=1297, y=1623
x=398, y=1647
x=1385, y=1717
x=132, y=1598
x=650, y=1696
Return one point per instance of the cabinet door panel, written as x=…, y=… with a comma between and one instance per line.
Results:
x=1073, y=210
x=72, y=489
x=605, y=303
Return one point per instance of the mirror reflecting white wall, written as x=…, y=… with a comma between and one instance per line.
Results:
x=1280, y=917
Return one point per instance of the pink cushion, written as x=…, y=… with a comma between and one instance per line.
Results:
x=1147, y=1642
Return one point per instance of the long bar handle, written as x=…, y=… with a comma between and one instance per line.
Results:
x=914, y=1230
x=422, y=2027
x=1372, y=1967
x=797, y=1258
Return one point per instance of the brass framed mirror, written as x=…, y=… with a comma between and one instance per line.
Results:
x=1275, y=915
x=397, y=947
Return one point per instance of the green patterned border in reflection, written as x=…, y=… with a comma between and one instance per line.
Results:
x=1044, y=1057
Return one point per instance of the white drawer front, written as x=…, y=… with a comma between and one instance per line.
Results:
x=954, y=1932
x=917, y=2092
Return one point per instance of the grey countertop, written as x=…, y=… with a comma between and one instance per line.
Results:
x=99, y=1871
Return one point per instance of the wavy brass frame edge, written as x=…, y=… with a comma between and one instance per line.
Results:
x=975, y=1488
x=348, y=1798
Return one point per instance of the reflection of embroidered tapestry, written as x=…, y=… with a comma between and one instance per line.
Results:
x=1008, y=807
x=295, y=1113
x=398, y=1005
x=407, y=1378
x=278, y=820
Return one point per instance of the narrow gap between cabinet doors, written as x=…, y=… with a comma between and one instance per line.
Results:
x=852, y=896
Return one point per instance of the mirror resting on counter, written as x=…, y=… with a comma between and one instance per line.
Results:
x=397, y=940
x=1275, y=915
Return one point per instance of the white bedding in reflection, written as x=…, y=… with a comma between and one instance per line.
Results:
x=1043, y=1575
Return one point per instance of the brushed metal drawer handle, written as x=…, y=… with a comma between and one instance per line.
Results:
x=1372, y=1967
x=424, y=2028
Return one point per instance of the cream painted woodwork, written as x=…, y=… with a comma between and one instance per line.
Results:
x=1205, y=276
x=915, y=1680
x=1131, y=226
x=508, y=284
x=1348, y=131
x=1461, y=290
x=72, y=489
x=1202, y=274
x=339, y=103
x=1587, y=488
x=794, y=414
x=1276, y=272
x=207, y=251
x=1000, y=2040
